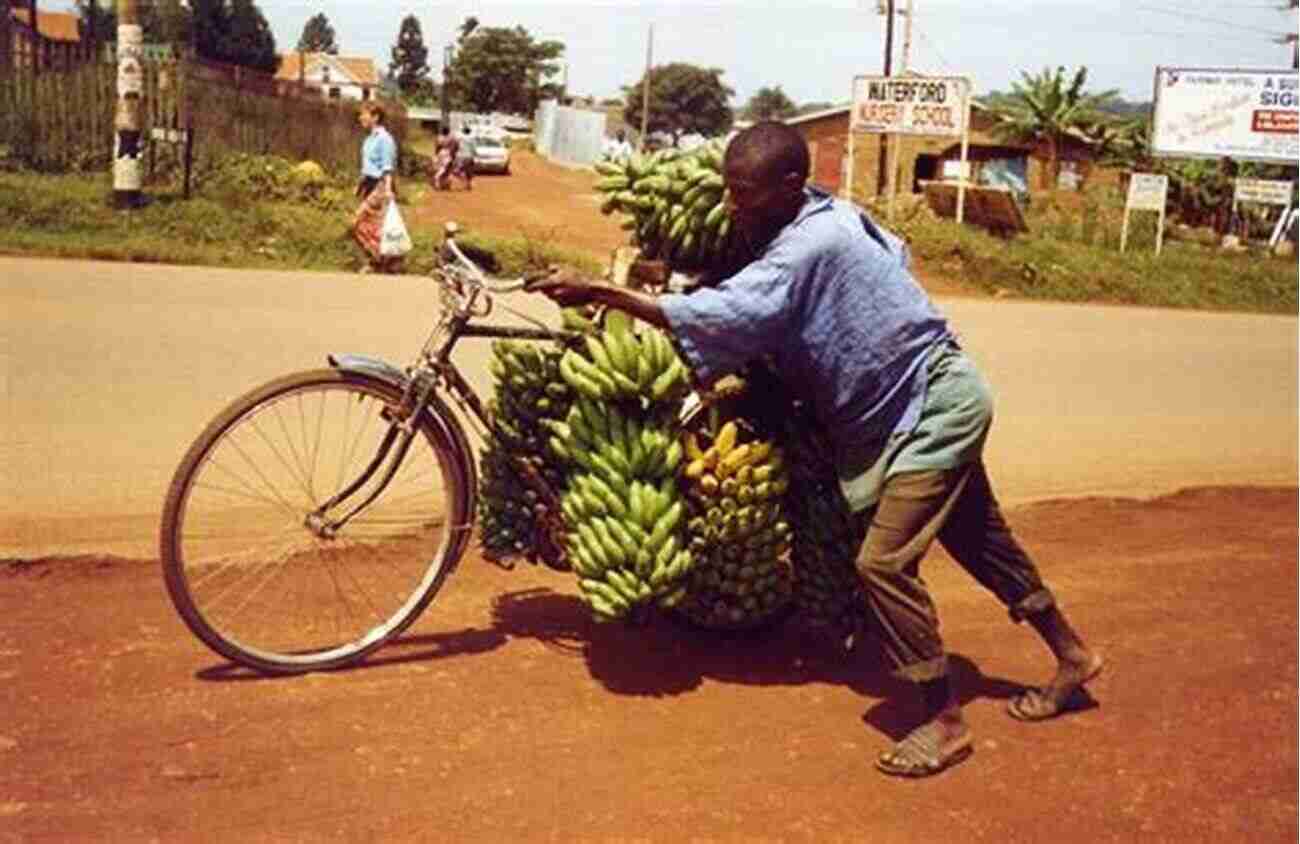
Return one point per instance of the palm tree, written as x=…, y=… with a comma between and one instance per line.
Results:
x=1044, y=108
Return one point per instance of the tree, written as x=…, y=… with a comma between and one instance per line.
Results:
x=104, y=17
x=684, y=98
x=769, y=104
x=502, y=69
x=318, y=36
x=162, y=21
x=234, y=32
x=1044, y=108
x=410, y=62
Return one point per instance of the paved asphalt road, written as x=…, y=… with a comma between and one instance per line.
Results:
x=108, y=371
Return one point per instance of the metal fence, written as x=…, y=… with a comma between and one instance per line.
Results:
x=568, y=135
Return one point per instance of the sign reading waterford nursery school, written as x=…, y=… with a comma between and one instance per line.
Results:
x=1248, y=115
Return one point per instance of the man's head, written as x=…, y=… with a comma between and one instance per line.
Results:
x=371, y=115
x=765, y=168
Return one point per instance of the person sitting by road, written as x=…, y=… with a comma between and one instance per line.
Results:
x=375, y=188
x=829, y=297
x=448, y=148
x=465, y=158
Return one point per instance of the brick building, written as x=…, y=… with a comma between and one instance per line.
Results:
x=931, y=158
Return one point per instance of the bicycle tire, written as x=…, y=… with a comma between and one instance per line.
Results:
x=234, y=521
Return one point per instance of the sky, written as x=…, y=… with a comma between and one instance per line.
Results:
x=814, y=49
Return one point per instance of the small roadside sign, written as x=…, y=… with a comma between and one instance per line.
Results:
x=1263, y=191
x=1146, y=192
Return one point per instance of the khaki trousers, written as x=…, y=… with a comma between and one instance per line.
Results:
x=958, y=507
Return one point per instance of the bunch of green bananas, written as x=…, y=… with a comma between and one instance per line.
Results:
x=678, y=208
x=828, y=590
x=742, y=577
x=622, y=508
x=528, y=392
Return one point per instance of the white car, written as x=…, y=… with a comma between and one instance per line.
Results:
x=491, y=156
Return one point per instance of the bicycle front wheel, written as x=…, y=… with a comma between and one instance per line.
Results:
x=245, y=559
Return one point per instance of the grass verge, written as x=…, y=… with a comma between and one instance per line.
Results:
x=71, y=217
x=1071, y=254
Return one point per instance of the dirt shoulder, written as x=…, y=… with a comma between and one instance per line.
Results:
x=506, y=715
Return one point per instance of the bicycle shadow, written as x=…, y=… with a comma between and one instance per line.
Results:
x=405, y=649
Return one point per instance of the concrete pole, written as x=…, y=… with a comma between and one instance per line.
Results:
x=127, y=176
x=645, y=90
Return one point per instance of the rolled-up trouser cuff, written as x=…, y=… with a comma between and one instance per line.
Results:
x=1034, y=602
x=924, y=671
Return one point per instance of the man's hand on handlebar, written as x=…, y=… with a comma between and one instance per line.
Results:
x=567, y=288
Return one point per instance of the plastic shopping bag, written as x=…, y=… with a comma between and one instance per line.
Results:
x=395, y=241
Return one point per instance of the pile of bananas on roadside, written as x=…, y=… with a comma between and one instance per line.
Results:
x=528, y=391
x=623, y=508
x=827, y=537
x=677, y=203
x=742, y=576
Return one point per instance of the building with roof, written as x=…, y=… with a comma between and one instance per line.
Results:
x=336, y=77
x=52, y=42
x=993, y=160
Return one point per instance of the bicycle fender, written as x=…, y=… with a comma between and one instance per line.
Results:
x=438, y=411
x=374, y=367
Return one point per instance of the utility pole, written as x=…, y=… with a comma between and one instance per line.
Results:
x=126, y=120
x=889, y=55
x=1293, y=38
x=446, y=88
x=645, y=89
x=898, y=139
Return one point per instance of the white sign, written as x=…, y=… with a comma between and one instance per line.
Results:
x=1249, y=115
x=1147, y=191
x=910, y=105
x=1263, y=191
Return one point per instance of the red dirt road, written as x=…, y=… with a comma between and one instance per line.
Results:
x=505, y=715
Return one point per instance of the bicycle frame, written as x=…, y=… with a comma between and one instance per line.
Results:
x=421, y=384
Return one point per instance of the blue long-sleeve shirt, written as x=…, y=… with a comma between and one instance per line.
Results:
x=832, y=301
x=378, y=153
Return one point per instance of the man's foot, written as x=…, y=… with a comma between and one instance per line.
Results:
x=1038, y=704
x=929, y=749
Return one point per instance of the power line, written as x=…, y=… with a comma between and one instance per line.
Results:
x=1209, y=20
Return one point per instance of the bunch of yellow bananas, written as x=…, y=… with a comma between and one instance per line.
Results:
x=741, y=541
x=622, y=507
x=677, y=203
x=528, y=393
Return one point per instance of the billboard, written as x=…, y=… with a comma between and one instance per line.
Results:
x=1249, y=115
x=910, y=105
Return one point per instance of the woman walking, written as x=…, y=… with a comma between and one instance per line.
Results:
x=375, y=189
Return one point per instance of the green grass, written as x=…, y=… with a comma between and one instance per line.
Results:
x=71, y=217
x=1071, y=254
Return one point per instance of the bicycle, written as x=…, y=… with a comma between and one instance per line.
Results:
x=318, y=515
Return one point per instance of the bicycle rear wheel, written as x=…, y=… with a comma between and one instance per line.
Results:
x=248, y=568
